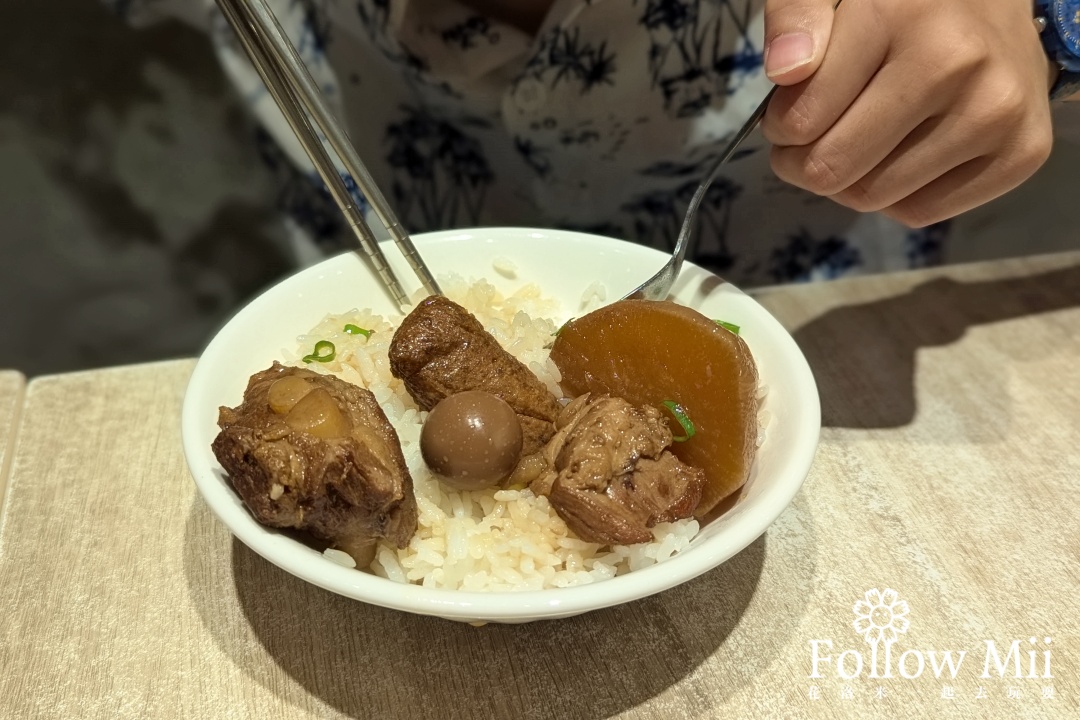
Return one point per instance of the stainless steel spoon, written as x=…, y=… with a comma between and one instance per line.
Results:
x=659, y=285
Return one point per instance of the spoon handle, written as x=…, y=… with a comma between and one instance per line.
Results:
x=744, y=132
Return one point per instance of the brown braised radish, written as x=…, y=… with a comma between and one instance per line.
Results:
x=672, y=357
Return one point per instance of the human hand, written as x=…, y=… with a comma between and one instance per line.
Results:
x=921, y=109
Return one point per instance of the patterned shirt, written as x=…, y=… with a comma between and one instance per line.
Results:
x=604, y=121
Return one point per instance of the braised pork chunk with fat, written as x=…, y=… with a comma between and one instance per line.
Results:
x=314, y=453
x=610, y=475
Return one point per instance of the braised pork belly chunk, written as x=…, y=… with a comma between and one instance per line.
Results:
x=609, y=474
x=314, y=453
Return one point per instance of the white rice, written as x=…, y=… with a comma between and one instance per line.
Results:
x=492, y=539
x=505, y=267
x=593, y=297
x=340, y=557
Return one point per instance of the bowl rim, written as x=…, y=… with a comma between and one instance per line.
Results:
x=309, y=565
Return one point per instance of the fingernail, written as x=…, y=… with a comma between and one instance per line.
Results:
x=787, y=52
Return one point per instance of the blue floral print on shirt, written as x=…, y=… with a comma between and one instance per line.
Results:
x=605, y=120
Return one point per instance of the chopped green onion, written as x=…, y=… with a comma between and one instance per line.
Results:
x=324, y=352
x=728, y=326
x=683, y=419
x=562, y=327
x=355, y=330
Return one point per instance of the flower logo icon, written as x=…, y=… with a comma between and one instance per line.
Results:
x=881, y=615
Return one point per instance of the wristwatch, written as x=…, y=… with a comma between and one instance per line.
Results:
x=1059, y=28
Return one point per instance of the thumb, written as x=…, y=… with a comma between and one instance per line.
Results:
x=796, y=35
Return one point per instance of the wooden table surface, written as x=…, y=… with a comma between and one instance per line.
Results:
x=947, y=474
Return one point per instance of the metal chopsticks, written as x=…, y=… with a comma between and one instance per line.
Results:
x=293, y=89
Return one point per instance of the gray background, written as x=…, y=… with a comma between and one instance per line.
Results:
x=136, y=214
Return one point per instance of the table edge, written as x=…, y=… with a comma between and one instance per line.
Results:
x=7, y=458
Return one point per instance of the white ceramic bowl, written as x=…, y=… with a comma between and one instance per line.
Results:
x=564, y=264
